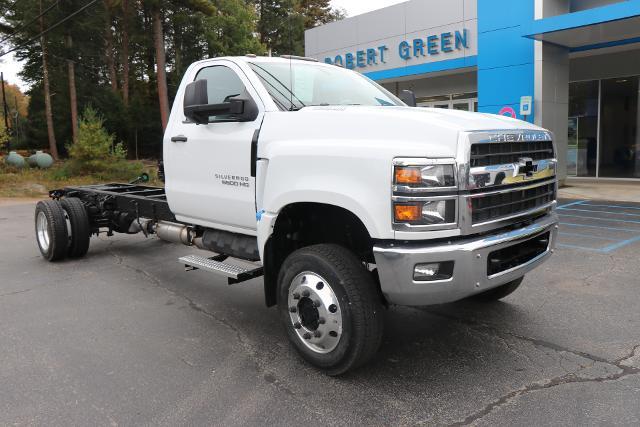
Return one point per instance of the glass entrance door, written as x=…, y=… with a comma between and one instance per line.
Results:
x=604, y=140
x=582, y=155
x=619, y=137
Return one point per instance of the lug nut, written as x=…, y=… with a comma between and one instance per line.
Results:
x=321, y=320
x=297, y=325
x=316, y=304
x=317, y=334
x=296, y=295
x=320, y=285
x=333, y=334
x=293, y=309
x=305, y=293
x=333, y=308
x=307, y=336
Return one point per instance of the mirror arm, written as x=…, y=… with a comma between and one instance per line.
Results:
x=201, y=113
x=211, y=109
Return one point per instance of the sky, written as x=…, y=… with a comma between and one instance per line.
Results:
x=11, y=68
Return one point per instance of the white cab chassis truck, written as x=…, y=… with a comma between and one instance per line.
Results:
x=344, y=198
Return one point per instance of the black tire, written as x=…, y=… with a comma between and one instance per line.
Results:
x=500, y=292
x=51, y=230
x=359, y=306
x=80, y=228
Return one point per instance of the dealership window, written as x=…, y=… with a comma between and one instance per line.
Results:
x=603, y=128
x=456, y=101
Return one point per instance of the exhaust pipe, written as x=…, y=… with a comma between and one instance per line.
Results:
x=174, y=233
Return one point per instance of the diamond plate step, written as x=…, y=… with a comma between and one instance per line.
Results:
x=235, y=273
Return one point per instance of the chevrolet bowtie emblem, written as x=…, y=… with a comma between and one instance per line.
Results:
x=526, y=167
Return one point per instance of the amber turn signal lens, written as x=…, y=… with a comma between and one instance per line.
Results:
x=407, y=212
x=408, y=175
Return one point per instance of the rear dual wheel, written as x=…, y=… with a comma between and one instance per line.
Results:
x=330, y=307
x=62, y=229
x=51, y=230
x=80, y=228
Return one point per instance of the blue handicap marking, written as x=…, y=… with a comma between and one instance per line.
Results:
x=583, y=229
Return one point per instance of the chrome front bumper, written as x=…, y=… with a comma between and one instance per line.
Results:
x=396, y=262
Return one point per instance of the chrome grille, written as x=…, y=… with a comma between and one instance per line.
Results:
x=510, y=175
x=511, y=201
x=500, y=153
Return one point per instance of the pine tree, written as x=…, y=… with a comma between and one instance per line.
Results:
x=126, y=58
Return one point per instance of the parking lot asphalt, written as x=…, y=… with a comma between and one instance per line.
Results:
x=126, y=336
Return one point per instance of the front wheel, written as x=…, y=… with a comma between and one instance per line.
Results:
x=330, y=308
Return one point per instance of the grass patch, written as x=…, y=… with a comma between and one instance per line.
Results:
x=95, y=158
x=34, y=182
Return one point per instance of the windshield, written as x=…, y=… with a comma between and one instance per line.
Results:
x=315, y=84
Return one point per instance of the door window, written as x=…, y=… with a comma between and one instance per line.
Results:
x=222, y=84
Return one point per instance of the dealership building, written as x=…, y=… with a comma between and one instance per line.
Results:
x=571, y=66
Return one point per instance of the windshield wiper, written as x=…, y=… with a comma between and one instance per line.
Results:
x=384, y=103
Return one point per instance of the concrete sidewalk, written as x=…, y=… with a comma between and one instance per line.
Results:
x=619, y=191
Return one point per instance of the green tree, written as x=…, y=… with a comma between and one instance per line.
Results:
x=318, y=12
x=96, y=152
x=17, y=104
x=280, y=26
x=4, y=135
x=232, y=30
x=111, y=56
x=281, y=23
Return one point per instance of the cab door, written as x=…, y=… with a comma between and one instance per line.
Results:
x=208, y=166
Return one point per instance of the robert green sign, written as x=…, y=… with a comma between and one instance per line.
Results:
x=432, y=45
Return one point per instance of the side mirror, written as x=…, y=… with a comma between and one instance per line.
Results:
x=247, y=109
x=240, y=108
x=408, y=97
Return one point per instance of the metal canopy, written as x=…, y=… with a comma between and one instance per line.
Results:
x=599, y=27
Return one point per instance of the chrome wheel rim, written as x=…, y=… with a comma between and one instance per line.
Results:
x=315, y=312
x=42, y=230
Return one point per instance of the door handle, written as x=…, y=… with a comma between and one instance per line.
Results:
x=179, y=138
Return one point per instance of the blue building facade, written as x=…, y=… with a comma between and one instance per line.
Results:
x=571, y=66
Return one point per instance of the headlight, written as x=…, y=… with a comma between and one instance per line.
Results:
x=424, y=194
x=428, y=176
x=428, y=212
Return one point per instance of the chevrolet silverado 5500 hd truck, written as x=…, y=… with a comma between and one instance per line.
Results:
x=344, y=198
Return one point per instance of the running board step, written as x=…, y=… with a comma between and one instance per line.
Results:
x=216, y=264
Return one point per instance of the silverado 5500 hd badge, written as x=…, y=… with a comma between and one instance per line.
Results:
x=233, y=180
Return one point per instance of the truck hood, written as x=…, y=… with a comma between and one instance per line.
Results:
x=452, y=119
x=398, y=131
